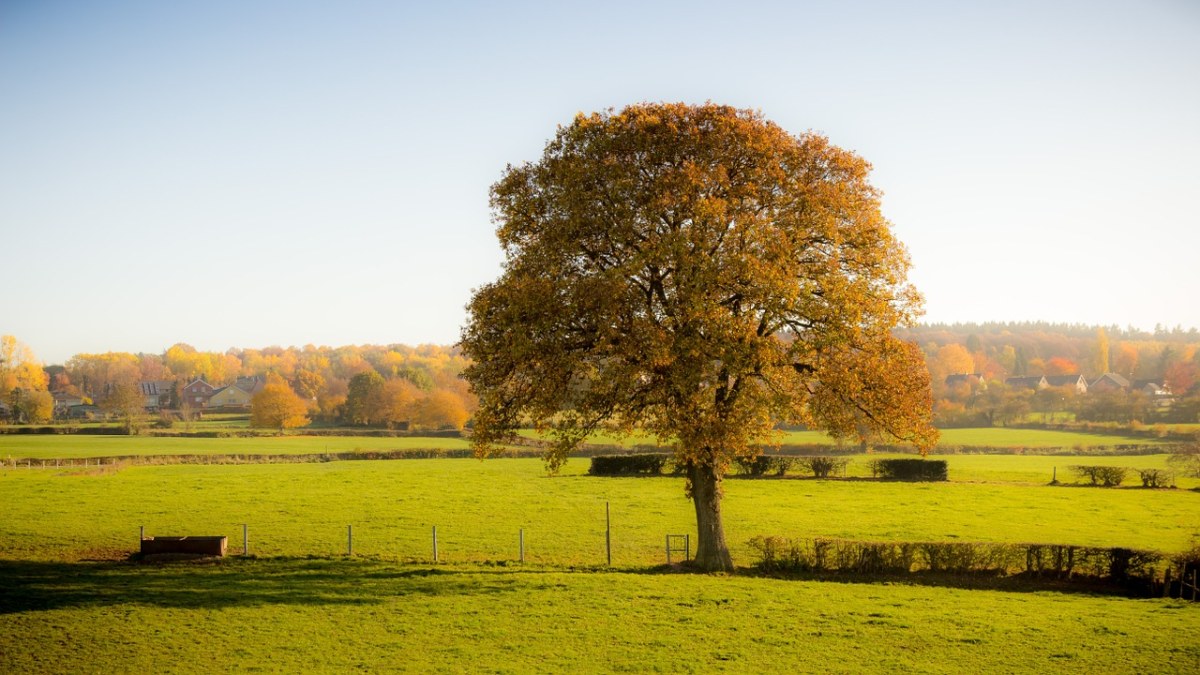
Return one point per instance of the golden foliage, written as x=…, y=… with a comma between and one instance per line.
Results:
x=277, y=406
x=696, y=272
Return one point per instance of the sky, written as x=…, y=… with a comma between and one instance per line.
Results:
x=245, y=174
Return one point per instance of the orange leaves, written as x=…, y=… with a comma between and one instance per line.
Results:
x=694, y=271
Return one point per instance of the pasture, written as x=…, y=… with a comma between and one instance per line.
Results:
x=480, y=506
x=328, y=615
x=69, y=602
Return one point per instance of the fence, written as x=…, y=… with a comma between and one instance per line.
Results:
x=434, y=548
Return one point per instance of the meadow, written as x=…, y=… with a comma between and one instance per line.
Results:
x=70, y=602
x=328, y=615
x=79, y=446
x=479, y=508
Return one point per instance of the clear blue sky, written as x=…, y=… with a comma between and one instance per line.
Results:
x=243, y=174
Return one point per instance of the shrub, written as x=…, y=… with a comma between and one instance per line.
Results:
x=628, y=465
x=1128, y=568
x=822, y=467
x=1156, y=478
x=1106, y=476
x=764, y=465
x=910, y=469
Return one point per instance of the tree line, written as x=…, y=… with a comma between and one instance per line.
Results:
x=379, y=385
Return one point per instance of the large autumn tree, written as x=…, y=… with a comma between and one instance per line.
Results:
x=698, y=273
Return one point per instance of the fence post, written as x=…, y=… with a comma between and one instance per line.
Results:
x=350, y=540
x=435, y=551
x=521, y=534
x=141, y=532
x=608, y=532
x=245, y=539
x=1167, y=583
x=668, y=549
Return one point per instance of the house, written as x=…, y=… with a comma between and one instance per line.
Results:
x=1028, y=382
x=251, y=385
x=84, y=412
x=157, y=394
x=238, y=394
x=1109, y=382
x=1079, y=382
x=63, y=402
x=1151, y=388
x=196, y=394
x=971, y=379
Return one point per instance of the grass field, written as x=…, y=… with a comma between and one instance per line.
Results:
x=998, y=437
x=301, y=605
x=339, y=616
x=80, y=446
x=478, y=507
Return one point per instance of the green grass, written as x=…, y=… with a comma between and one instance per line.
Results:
x=302, y=605
x=339, y=616
x=80, y=446
x=996, y=437
x=478, y=507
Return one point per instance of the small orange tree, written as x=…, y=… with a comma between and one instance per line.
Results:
x=698, y=273
x=277, y=406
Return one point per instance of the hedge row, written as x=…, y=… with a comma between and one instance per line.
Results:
x=821, y=467
x=1129, y=568
x=1112, y=476
x=910, y=469
x=628, y=465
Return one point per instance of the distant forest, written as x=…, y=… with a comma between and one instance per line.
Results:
x=1157, y=373
x=404, y=379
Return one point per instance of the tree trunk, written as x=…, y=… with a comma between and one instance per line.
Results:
x=712, y=553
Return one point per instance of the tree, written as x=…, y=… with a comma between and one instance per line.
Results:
x=440, y=409
x=399, y=400
x=126, y=401
x=364, y=401
x=19, y=368
x=1100, y=353
x=700, y=274
x=277, y=406
x=37, y=406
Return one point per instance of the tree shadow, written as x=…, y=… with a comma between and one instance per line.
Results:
x=37, y=586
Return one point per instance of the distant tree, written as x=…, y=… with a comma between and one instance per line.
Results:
x=1182, y=376
x=19, y=368
x=364, y=401
x=125, y=401
x=277, y=406
x=696, y=272
x=308, y=383
x=1126, y=361
x=440, y=409
x=37, y=406
x=1099, y=362
x=399, y=400
x=1060, y=365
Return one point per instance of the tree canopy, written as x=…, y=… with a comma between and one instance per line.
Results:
x=701, y=274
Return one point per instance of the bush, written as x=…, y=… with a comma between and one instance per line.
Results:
x=1156, y=478
x=1106, y=476
x=822, y=467
x=910, y=469
x=628, y=465
x=764, y=465
x=1128, y=568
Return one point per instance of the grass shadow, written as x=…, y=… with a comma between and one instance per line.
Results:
x=210, y=584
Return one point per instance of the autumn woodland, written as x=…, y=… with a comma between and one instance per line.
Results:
x=402, y=387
